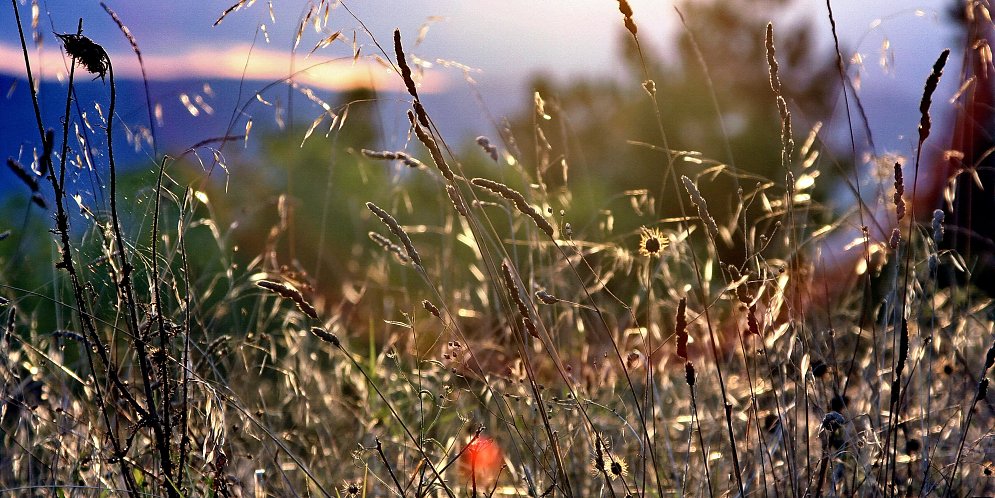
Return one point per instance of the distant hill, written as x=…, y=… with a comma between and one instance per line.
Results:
x=457, y=113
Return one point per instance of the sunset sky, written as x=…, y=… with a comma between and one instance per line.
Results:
x=504, y=42
x=506, y=39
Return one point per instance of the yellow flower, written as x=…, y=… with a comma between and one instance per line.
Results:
x=652, y=242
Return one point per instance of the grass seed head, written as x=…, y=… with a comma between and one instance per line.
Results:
x=518, y=200
x=681, y=328
x=457, y=201
x=396, y=229
x=895, y=239
x=402, y=62
x=431, y=308
x=22, y=174
x=389, y=246
x=626, y=10
x=938, y=229
x=775, y=80
x=433, y=148
x=352, y=490
x=689, y=373
x=287, y=291
x=326, y=336
x=490, y=149
x=699, y=202
x=546, y=298
x=899, y=192
x=927, y=95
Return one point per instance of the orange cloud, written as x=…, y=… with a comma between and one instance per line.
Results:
x=231, y=62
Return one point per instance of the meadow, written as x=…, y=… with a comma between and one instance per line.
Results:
x=593, y=298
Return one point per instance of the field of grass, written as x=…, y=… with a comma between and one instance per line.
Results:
x=433, y=321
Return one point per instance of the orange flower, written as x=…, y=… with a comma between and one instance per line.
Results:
x=481, y=461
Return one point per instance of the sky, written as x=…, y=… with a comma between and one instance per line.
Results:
x=503, y=42
x=506, y=40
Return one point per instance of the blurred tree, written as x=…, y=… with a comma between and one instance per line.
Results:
x=594, y=120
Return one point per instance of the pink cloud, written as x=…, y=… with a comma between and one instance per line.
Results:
x=232, y=61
